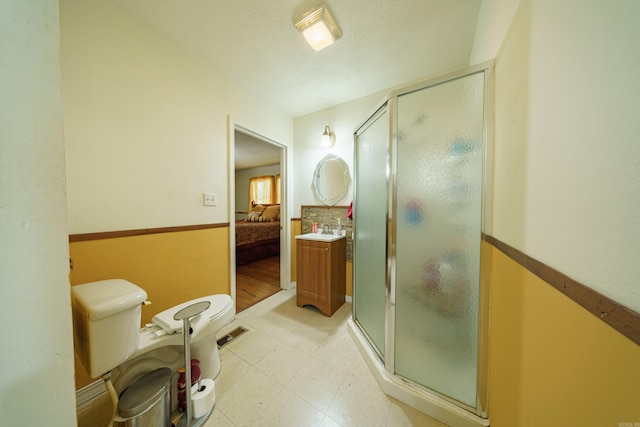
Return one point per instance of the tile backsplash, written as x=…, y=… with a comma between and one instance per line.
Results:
x=328, y=215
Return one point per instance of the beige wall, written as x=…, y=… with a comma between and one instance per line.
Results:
x=146, y=124
x=175, y=266
x=343, y=120
x=171, y=267
x=552, y=363
x=146, y=131
x=494, y=20
x=565, y=193
x=36, y=373
x=566, y=150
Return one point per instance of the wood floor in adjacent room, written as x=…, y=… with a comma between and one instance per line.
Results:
x=257, y=281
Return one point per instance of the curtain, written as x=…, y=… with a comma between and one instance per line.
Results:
x=262, y=189
x=277, y=198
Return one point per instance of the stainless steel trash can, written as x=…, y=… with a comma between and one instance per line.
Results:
x=147, y=401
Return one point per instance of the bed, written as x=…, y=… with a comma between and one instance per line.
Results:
x=258, y=235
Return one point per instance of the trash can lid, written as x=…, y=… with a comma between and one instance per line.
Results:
x=144, y=392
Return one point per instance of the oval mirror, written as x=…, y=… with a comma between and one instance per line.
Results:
x=331, y=179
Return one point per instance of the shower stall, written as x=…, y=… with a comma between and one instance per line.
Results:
x=421, y=194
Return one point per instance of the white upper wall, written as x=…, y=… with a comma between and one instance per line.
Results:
x=494, y=19
x=146, y=131
x=36, y=373
x=567, y=150
x=343, y=120
x=146, y=124
x=566, y=154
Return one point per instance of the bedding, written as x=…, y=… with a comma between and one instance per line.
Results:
x=258, y=236
x=250, y=232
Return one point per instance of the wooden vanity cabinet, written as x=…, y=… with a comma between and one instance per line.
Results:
x=321, y=274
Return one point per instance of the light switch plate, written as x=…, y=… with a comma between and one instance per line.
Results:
x=209, y=199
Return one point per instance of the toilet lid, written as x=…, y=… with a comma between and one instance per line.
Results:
x=165, y=320
x=143, y=393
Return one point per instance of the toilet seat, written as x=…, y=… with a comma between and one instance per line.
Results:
x=219, y=305
x=160, y=347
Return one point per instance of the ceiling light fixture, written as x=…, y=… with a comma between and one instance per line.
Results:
x=318, y=28
x=328, y=137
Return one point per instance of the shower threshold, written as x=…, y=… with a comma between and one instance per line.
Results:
x=423, y=401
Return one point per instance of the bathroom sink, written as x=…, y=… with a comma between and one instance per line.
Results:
x=319, y=237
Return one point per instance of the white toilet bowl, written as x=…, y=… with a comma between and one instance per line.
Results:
x=161, y=343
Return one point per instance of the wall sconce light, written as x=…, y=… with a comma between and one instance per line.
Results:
x=328, y=137
x=318, y=28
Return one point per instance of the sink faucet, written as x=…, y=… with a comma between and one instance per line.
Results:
x=325, y=229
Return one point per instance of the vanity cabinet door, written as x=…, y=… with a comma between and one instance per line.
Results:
x=321, y=274
x=314, y=262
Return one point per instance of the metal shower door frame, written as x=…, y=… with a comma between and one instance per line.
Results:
x=390, y=105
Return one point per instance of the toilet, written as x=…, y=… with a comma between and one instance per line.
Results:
x=106, y=320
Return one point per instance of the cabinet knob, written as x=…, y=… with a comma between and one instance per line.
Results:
x=326, y=249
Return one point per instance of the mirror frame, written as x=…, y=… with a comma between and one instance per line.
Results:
x=346, y=181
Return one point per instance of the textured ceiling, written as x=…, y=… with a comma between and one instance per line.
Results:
x=386, y=43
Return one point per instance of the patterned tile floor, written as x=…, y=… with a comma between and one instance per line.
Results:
x=295, y=367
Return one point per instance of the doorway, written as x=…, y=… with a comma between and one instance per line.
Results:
x=258, y=247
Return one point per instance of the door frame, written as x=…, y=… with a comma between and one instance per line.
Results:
x=285, y=232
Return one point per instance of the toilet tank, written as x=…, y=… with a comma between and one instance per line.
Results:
x=106, y=322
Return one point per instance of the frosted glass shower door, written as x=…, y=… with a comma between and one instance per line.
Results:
x=438, y=214
x=370, y=227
